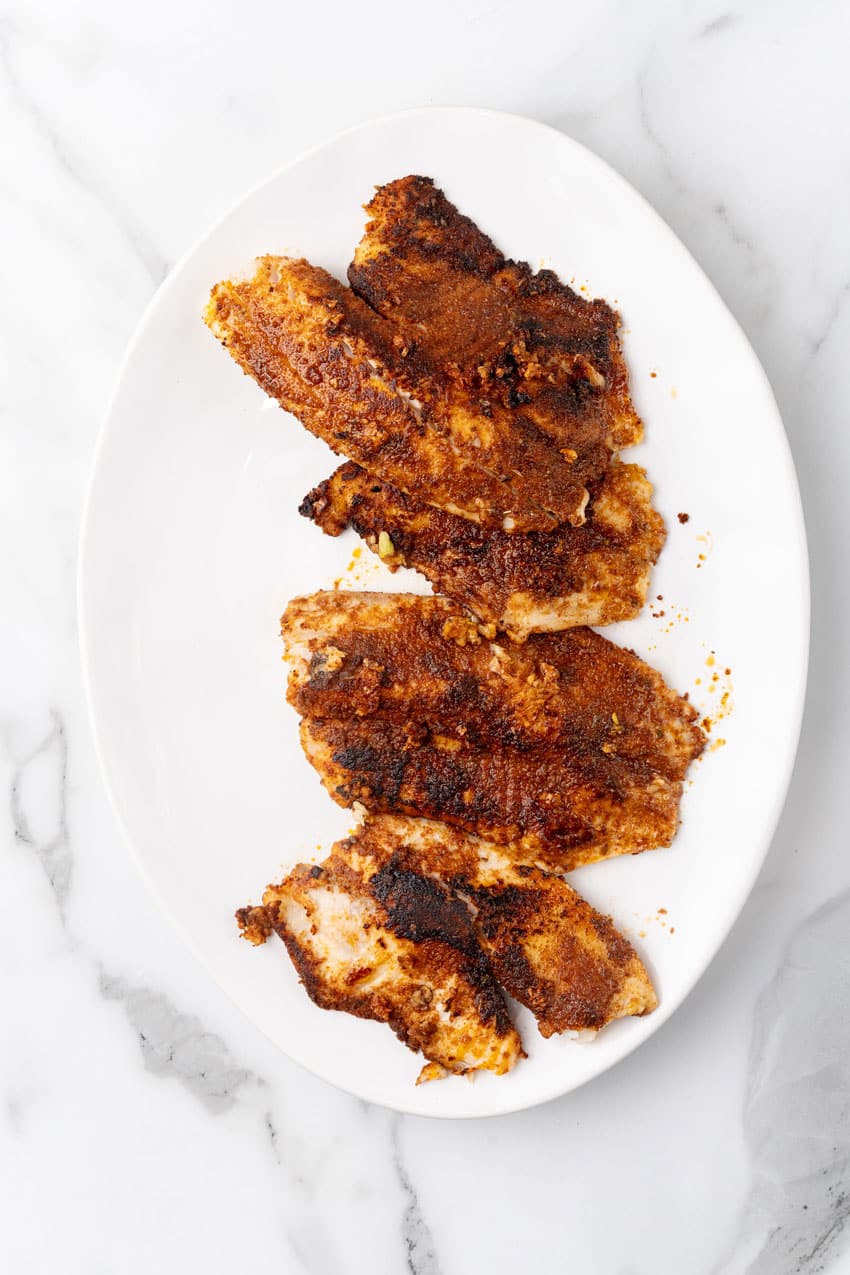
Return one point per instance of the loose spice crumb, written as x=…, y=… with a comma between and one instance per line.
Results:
x=683, y=518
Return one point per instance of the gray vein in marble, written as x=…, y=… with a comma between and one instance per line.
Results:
x=178, y=1046
x=418, y=1242
x=55, y=230
x=738, y=237
x=52, y=846
x=797, y=1108
x=721, y=23
x=832, y=318
x=154, y=264
x=649, y=129
x=753, y=259
x=173, y=1044
x=271, y=1130
x=12, y=1108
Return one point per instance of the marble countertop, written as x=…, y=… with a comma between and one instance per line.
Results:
x=144, y=1124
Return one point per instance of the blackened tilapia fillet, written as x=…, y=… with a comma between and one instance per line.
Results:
x=548, y=947
x=503, y=334
x=543, y=807
x=410, y=921
x=538, y=581
x=407, y=658
x=394, y=946
x=313, y=345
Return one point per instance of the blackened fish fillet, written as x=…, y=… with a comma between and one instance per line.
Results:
x=394, y=946
x=567, y=748
x=538, y=581
x=411, y=922
x=502, y=333
x=328, y=359
x=422, y=659
x=549, y=948
x=539, y=803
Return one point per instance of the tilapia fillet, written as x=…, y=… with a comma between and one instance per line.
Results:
x=545, y=808
x=537, y=581
x=549, y=949
x=390, y=946
x=313, y=345
x=417, y=659
x=567, y=749
x=502, y=333
x=374, y=928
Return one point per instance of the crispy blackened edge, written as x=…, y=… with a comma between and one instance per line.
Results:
x=418, y=910
x=254, y=923
x=484, y=569
x=468, y=248
x=580, y=999
x=421, y=909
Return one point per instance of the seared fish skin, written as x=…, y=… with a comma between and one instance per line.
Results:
x=501, y=333
x=313, y=345
x=566, y=749
x=549, y=948
x=538, y=581
x=386, y=943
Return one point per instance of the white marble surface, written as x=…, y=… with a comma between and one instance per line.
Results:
x=144, y=1125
